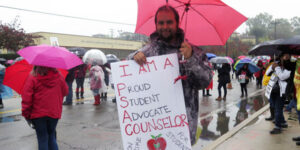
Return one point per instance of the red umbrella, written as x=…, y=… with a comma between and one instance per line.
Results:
x=16, y=75
x=206, y=22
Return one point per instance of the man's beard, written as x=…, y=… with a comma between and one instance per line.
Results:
x=166, y=39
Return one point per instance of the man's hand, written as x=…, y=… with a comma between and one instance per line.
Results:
x=140, y=58
x=186, y=50
x=274, y=65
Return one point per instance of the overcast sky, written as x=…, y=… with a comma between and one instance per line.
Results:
x=124, y=11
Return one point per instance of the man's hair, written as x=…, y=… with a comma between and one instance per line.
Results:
x=168, y=8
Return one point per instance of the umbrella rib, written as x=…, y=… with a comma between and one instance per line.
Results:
x=179, y=6
x=208, y=22
x=179, y=1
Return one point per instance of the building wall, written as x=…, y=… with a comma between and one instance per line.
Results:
x=120, y=48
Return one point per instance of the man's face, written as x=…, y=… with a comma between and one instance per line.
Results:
x=166, y=25
x=286, y=57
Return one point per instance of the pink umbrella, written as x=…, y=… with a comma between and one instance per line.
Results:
x=10, y=61
x=206, y=22
x=230, y=59
x=242, y=57
x=50, y=56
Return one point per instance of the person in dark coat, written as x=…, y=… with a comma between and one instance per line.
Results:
x=244, y=75
x=260, y=74
x=224, y=78
x=79, y=77
x=106, y=80
x=69, y=80
x=2, y=72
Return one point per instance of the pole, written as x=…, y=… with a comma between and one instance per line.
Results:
x=227, y=46
x=275, y=30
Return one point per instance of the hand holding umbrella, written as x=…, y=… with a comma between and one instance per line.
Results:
x=186, y=50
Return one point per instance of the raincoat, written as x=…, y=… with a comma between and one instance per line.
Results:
x=42, y=96
x=198, y=74
x=97, y=78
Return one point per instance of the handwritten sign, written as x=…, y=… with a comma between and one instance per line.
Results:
x=151, y=106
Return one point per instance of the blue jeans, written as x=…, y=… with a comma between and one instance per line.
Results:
x=69, y=97
x=292, y=104
x=279, y=104
x=45, y=128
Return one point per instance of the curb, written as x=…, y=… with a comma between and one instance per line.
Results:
x=232, y=132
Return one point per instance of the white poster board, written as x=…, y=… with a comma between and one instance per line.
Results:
x=151, y=107
x=54, y=41
x=270, y=85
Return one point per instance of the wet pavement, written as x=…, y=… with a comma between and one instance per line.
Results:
x=88, y=127
x=227, y=116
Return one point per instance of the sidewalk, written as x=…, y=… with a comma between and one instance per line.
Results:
x=254, y=135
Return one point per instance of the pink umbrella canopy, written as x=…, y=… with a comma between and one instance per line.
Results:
x=207, y=22
x=10, y=61
x=230, y=59
x=50, y=56
x=242, y=57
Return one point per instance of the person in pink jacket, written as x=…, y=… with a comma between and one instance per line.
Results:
x=96, y=82
x=42, y=99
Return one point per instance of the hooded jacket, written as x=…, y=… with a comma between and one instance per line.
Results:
x=198, y=73
x=96, y=77
x=42, y=96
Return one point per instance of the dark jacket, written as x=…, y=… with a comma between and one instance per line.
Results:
x=80, y=71
x=247, y=73
x=224, y=74
x=71, y=75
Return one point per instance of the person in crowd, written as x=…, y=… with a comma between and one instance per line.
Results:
x=259, y=75
x=169, y=38
x=265, y=82
x=42, y=99
x=297, y=95
x=224, y=78
x=69, y=80
x=106, y=81
x=96, y=76
x=210, y=86
x=290, y=89
x=278, y=83
x=79, y=77
x=243, y=77
x=2, y=72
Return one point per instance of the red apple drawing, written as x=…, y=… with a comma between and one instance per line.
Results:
x=157, y=143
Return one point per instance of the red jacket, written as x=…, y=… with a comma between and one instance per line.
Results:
x=43, y=96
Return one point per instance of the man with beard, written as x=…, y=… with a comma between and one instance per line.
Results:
x=169, y=38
